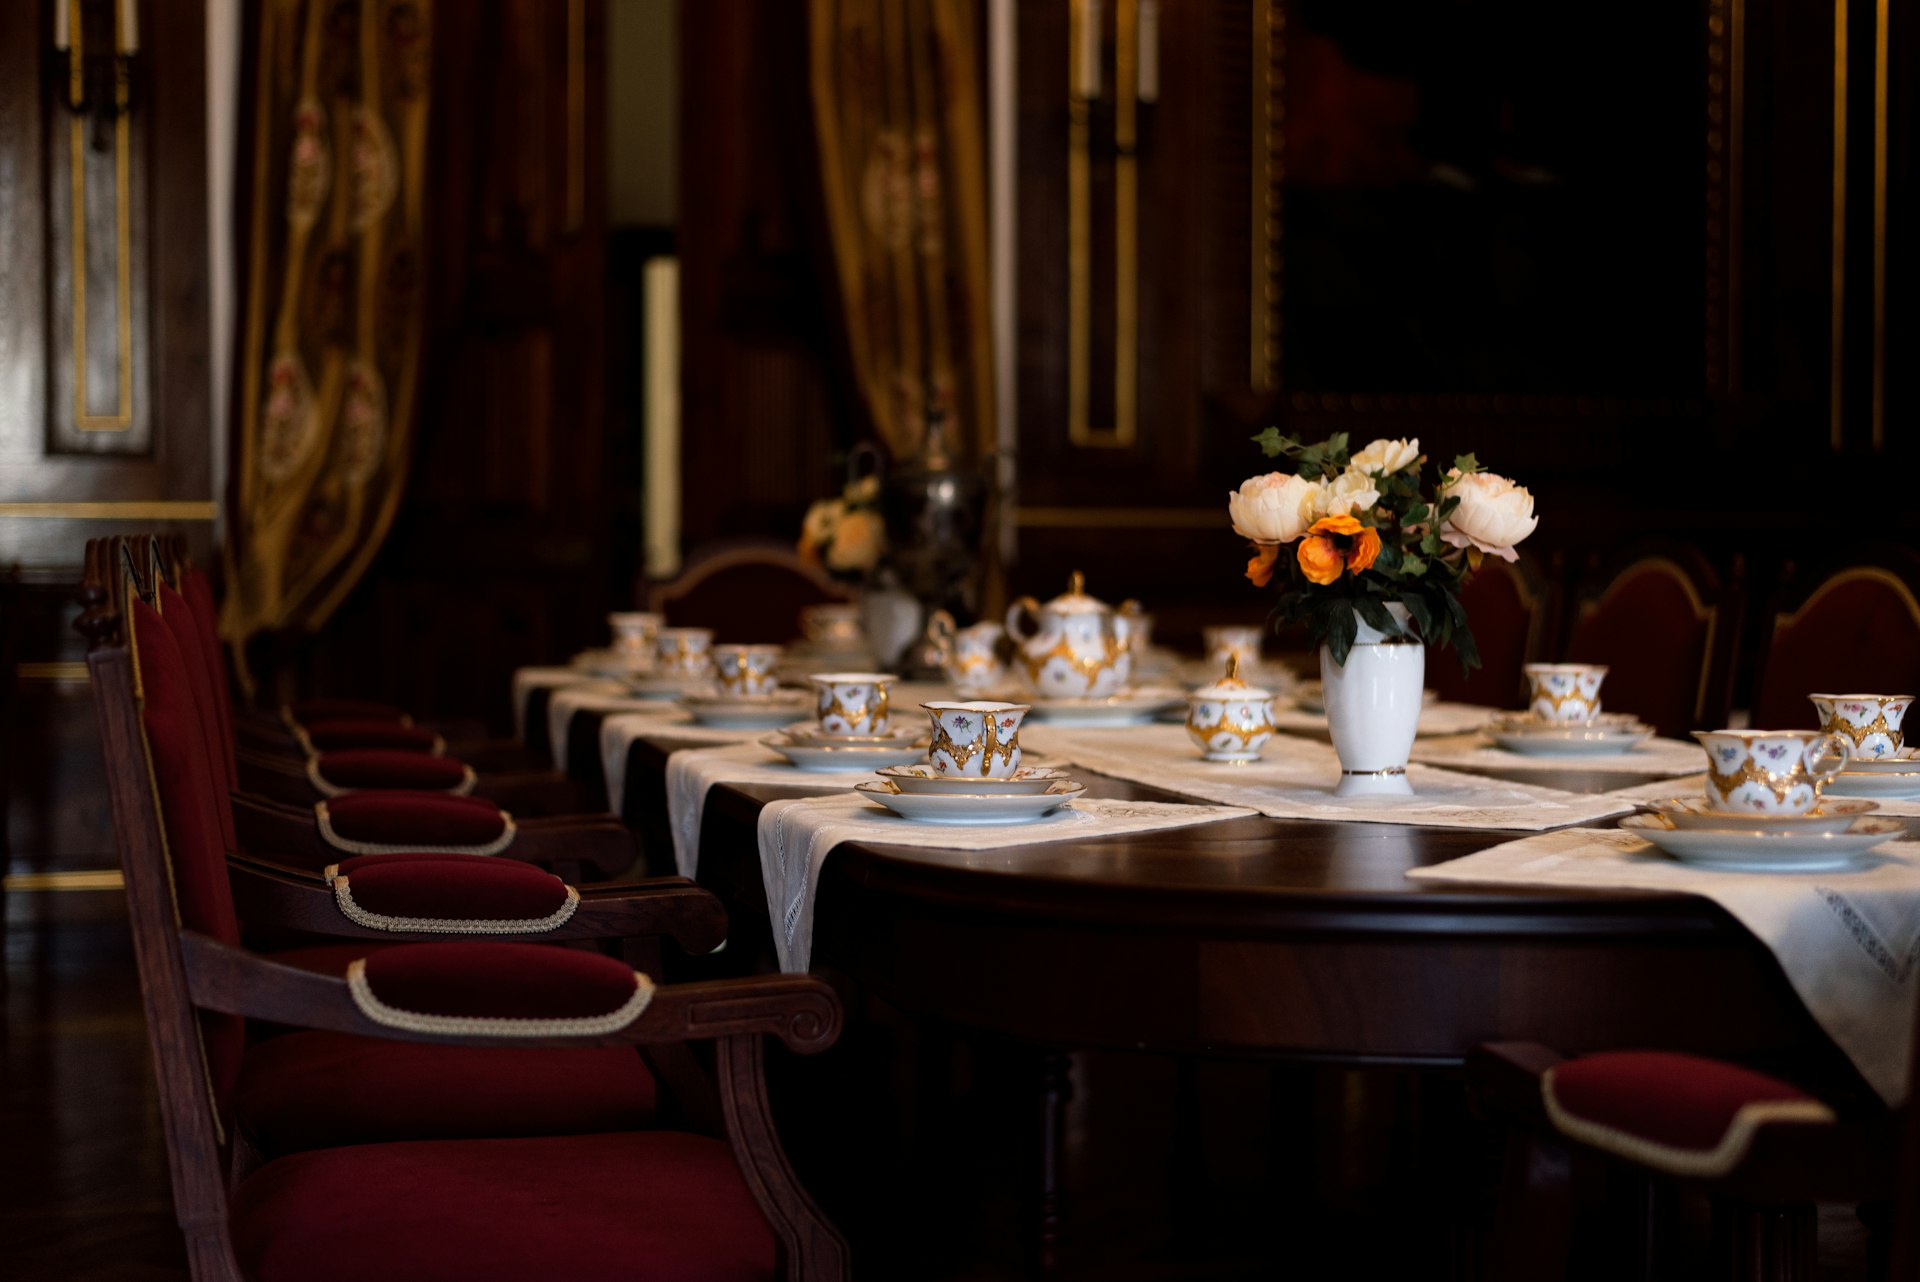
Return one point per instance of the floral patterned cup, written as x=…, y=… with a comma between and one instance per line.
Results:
x=1870, y=721
x=1770, y=772
x=976, y=740
x=1564, y=693
x=746, y=671
x=853, y=703
x=634, y=632
x=684, y=652
x=833, y=626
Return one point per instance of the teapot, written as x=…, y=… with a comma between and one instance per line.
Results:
x=1077, y=647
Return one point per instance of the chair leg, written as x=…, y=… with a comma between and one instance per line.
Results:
x=1770, y=1243
x=1533, y=1212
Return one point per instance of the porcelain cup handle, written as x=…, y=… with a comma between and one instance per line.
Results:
x=940, y=630
x=1032, y=609
x=1843, y=750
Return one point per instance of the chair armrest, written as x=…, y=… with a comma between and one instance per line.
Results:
x=268, y=893
x=803, y=1012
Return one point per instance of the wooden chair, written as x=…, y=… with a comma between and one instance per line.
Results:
x=1667, y=629
x=572, y=1205
x=1508, y=611
x=1858, y=629
x=745, y=591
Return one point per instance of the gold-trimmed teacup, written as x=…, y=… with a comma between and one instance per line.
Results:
x=1564, y=693
x=684, y=652
x=1770, y=772
x=1870, y=721
x=746, y=671
x=978, y=739
x=833, y=625
x=634, y=632
x=853, y=703
x=1230, y=720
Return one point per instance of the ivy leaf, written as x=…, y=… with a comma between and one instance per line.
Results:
x=1411, y=566
x=1466, y=464
x=1418, y=512
x=1273, y=443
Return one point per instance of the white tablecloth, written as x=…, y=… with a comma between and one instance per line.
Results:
x=1848, y=941
x=619, y=731
x=1435, y=719
x=795, y=837
x=692, y=771
x=593, y=696
x=527, y=680
x=1476, y=751
x=1295, y=780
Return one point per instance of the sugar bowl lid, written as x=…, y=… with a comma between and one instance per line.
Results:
x=1075, y=599
x=1231, y=686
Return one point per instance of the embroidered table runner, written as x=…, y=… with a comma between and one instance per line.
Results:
x=692, y=772
x=1848, y=941
x=527, y=680
x=1476, y=751
x=1296, y=777
x=596, y=696
x=619, y=732
x=796, y=835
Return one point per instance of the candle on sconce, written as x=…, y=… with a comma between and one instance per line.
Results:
x=1149, y=57
x=1086, y=53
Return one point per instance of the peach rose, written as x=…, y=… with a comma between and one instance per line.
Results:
x=1275, y=508
x=1494, y=513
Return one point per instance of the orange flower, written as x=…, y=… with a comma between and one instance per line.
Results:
x=1335, y=544
x=1260, y=565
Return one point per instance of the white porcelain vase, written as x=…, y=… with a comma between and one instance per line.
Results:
x=1373, y=709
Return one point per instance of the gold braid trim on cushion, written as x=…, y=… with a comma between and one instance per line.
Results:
x=494, y=1025
x=343, y=897
x=325, y=819
x=325, y=789
x=299, y=732
x=1687, y=1162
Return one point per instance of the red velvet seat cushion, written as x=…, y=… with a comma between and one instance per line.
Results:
x=320, y=1090
x=1678, y=1113
x=365, y=733
x=401, y=818
x=357, y=768
x=451, y=887
x=492, y=980
x=306, y=712
x=663, y=1206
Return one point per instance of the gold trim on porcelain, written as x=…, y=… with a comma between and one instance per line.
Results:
x=988, y=745
x=1779, y=783
x=874, y=710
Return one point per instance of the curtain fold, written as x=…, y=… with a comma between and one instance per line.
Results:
x=332, y=295
x=900, y=121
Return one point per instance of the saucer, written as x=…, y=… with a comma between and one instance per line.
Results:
x=1893, y=785
x=1128, y=708
x=1610, y=733
x=1768, y=850
x=969, y=807
x=810, y=733
x=808, y=756
x=665, y=686
x=1026, y=782
x=747, y=712
x=1903, y=762
x=1833, y=814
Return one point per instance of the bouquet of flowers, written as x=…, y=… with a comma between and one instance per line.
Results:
x=1367, y=534
x=846, y=534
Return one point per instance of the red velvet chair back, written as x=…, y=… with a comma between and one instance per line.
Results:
x=1859, y=631
x=1506, y=615
x=1664, y=632
x=745, y=592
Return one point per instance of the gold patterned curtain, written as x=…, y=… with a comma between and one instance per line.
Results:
x=331, y=275
x=898, y=112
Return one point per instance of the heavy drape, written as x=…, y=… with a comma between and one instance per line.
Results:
x=898, y=113
x=335, y=134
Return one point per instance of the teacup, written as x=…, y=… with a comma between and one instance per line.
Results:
x=834, y=626
x=853, y=703
x=634, y=631
x=1224, y=643
x=1564, y=692
x=979, y=740
x=1770, y=772
x=1870, y=721
x=684, y=652
x=970, y=656
x=746, y=671
x=1230, y=720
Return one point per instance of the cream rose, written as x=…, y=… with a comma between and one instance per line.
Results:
x=817, y=527
x=1387, y=457
x=1494, y=513
x=857, y=541
x=1275, y=508
x=1352, y=491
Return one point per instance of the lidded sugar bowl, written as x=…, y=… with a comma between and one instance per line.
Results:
x=1230, y=720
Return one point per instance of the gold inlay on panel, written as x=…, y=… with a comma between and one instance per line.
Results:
x=122, y=419
x=1879, y=410
x=70, y=671
x=135, y=510
x=1083, y=89
x=1837, y=323
x=88, y=879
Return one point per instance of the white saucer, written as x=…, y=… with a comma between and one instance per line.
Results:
x=809, y=756
x=1608, y=734
x=1027, y=781
x=663, y=686
x=613, y=664
x=1903, y=762
x=971, y=807
x=810, y=734
x=1892, y=785
x=1128, y=708
x=1770, y=850
x=747, y=712
x=1834, y=814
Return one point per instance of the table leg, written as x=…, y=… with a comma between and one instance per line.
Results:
x=1056, y=1076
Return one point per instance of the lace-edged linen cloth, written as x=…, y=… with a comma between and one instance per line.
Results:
x=1296, y=777
x=598, y=696
x=796, y=836
x=692, y=772
x=527, y=680
x=619, y=732
x=1477, y=752
x=1848, y=941
x=1435, y=718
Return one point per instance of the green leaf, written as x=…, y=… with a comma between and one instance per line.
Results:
x=1420, y=613
x=1374, y=611
x=1418, y=512
x=1412, y=566
x=1342, y=628
x=1273, y=443
x=1467, y=464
